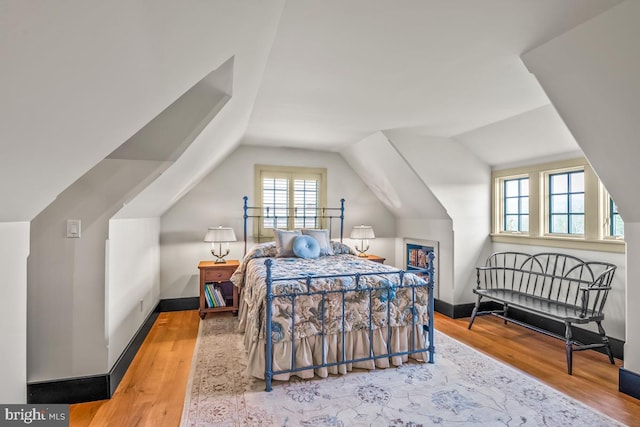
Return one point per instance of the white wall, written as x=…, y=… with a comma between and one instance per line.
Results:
x=419, y=214
x=632, y=342
x=217, y=200
x=462, y=184
x=14, y=249
x=132, y=285
x=591, y=75
x=66, y=276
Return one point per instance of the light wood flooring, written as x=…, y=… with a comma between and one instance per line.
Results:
x=153, y=389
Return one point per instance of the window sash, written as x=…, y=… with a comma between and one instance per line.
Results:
x=515, y=205
x=290, y=197
x=566, y=203
x=616, y=224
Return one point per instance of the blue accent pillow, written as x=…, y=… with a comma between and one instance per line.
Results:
x=306, y=247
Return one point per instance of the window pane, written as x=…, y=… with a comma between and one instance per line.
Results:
x=559, y=224
x=511, y=206
x=515, y=204
x=275, y=201
x=567, y=197
x=524, y=223
x=576, y=180
x=577, y=224
x=612, y=206
x=511, y=188
x=618, y=226
x=558, y=183
x=559, y=204
x=576, y=203
x=306, y=203
x=511, y=223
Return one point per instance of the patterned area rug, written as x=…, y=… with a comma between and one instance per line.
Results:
x=462, y=388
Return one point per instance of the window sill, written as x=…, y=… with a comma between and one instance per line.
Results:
x=609, y=245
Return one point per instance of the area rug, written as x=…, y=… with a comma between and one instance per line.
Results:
x=463, y=387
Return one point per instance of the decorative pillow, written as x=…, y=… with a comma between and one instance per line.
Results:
x=322, y=236
x=306, y=247
x=284, y=242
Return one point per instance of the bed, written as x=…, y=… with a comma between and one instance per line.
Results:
x=329, y=313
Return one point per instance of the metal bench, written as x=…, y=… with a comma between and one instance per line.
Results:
x=558, y=286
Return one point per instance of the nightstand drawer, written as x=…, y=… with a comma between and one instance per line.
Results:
x=218, y=275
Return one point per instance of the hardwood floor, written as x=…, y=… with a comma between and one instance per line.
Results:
x=152, y=391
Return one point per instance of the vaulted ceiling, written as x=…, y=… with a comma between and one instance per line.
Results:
x=79, y=80
x=340, y=70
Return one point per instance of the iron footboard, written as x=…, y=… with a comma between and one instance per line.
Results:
x=390, y=290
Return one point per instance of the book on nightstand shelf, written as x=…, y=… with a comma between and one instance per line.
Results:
x=213, y=296
x=219, y=298
x=208, y=295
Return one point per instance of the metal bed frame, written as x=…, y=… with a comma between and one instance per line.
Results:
x=307, y=289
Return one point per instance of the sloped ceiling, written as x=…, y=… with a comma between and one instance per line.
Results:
x=341, y=70
x=79, y=79
x=386, y=174
x=535, y=135
x=592, y=74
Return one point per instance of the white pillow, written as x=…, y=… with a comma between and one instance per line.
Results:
x=284, y=242
x=322, y=236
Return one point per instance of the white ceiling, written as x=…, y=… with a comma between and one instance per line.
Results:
x=316, y=74
x=339, y=71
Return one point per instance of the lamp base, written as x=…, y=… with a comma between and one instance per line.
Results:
x=219, y=256
x=363, y=255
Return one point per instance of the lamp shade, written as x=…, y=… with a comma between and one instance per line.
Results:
x=220, y=234
x=362, y=232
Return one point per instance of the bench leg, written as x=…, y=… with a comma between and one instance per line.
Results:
x=569, y=346
x=606, y=343
x=505, y=310
x=475, y=311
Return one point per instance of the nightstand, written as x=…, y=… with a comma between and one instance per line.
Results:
x=214, y=278
x=375, y=258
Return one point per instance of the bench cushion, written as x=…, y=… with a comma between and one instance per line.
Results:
x=544, y=306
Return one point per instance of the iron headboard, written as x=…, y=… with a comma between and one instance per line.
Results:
x=261, y=213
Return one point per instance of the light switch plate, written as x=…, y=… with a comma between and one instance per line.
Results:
x=73, y=228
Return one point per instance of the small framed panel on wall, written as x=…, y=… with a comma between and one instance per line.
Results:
x=416, y=257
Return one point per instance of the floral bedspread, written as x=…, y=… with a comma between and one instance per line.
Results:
x=380, y=296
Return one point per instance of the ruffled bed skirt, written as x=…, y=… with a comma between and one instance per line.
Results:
x=308, y=351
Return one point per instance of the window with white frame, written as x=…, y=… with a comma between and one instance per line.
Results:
x=566, y=202
x=616, y=225
x=290, y=197
x=561, y=204
x=516, y=205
